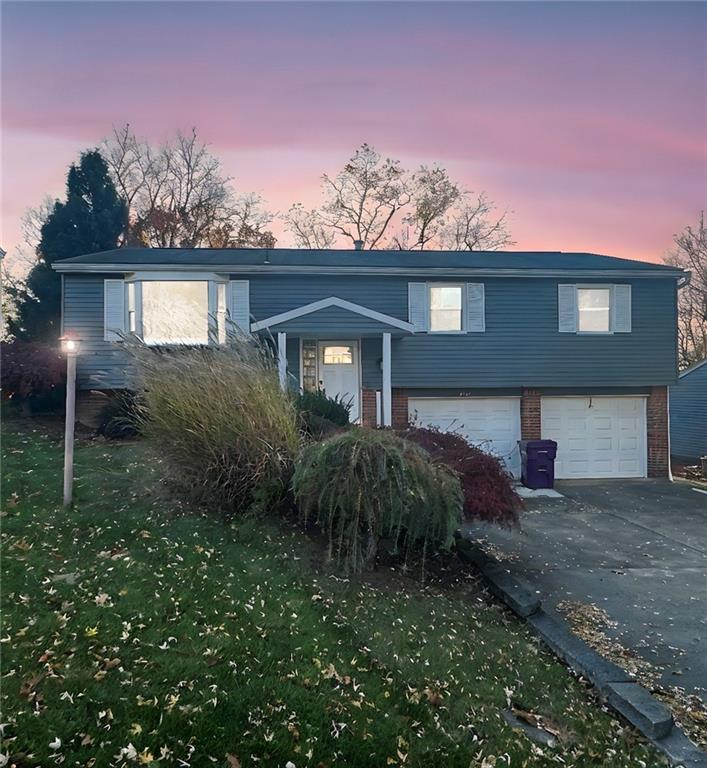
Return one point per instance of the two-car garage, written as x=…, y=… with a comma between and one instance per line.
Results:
x=600, y=436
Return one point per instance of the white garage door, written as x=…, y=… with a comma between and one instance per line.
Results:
x=596, y=436
x=492, y=423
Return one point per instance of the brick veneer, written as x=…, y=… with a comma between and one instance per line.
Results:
x=530, y=427
x=657, y=432
x=90, y=404
x=368, y=407
x=400, y=408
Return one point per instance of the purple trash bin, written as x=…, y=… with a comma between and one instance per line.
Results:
x=538, y=463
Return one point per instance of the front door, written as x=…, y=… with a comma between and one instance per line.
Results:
x=339, y=372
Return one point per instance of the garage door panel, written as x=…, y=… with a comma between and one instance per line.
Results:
x=597, y=437
x=629, y=444
x=491, y=423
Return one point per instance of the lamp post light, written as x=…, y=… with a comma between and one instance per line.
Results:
x=70, y=347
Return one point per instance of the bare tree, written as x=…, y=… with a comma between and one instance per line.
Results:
x=308, y=229
x=432, y=194
x=360, y=202
x=178, y=197
x=15, y=267
x=375, y=201
x=473, y=226
x=691, y=254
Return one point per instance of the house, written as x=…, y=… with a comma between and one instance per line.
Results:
x=576, y=347
x=688, y=414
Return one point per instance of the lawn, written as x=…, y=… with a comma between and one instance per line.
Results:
x=136, y=631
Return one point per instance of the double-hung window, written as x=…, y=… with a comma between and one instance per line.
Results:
x=446, y=308
x=594, y=310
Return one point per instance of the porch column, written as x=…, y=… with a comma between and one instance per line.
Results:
x=387, y=393
x=282, y=358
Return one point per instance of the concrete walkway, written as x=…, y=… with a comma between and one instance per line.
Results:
x=637, y=549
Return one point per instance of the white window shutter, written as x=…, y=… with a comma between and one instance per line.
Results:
x=567, y=308
x=113, y=309
x=622, y=309
x=417, y=306
x=239, y=304
x=475, y=308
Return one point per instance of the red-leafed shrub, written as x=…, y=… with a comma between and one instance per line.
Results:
x=32, y=372
x=488, y=490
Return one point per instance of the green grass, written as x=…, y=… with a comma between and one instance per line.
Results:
x=192, y=641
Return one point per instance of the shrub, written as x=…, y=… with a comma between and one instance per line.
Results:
x=322, y=415
x=120, y=417
x=33, y=374
x=220, y=419
x=364, y=484
x=488, y=490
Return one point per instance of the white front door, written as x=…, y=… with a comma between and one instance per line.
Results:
x=339, y=372
x=596, y=436
x=491, y=423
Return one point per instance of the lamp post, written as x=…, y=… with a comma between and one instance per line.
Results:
x=70, y=346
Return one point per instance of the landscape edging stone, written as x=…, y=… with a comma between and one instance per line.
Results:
x=620, y=690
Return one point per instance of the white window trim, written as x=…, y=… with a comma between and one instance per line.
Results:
x=212, y=280
x=462, y=330
x=602, y=286
x=209, y=277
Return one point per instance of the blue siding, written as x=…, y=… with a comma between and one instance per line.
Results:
x=688, y=415
x=521, y=345
x=101, y=364
x=272, y=294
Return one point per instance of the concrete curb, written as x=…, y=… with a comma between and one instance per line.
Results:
x=652, y=718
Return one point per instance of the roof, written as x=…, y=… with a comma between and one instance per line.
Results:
x=342, y=261
x=692, y=368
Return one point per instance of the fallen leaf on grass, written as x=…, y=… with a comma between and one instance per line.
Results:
x=28, y=686
x=233, y=761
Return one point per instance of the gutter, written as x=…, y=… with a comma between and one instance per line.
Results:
x=685, y=279
x=247, y=269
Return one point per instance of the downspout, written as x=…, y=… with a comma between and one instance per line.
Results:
x=682, y=282
x=670, y=461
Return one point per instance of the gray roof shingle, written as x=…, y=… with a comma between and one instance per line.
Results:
x=293, y=257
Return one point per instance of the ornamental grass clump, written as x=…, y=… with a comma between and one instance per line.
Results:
x=220, y=419
x=364, y=485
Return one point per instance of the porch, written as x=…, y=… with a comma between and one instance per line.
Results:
x=340, y=347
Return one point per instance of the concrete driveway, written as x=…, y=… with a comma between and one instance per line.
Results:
x=635, y=548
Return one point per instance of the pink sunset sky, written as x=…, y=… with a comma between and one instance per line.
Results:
x=586, y=120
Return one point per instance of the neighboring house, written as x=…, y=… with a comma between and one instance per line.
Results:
x=500, y=346
x=688, y=414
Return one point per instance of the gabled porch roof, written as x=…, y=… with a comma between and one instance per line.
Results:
x=322, y=315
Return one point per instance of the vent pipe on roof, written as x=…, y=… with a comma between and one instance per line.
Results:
x=358, y=245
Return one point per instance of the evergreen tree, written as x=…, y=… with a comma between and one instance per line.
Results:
x=92, y=219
